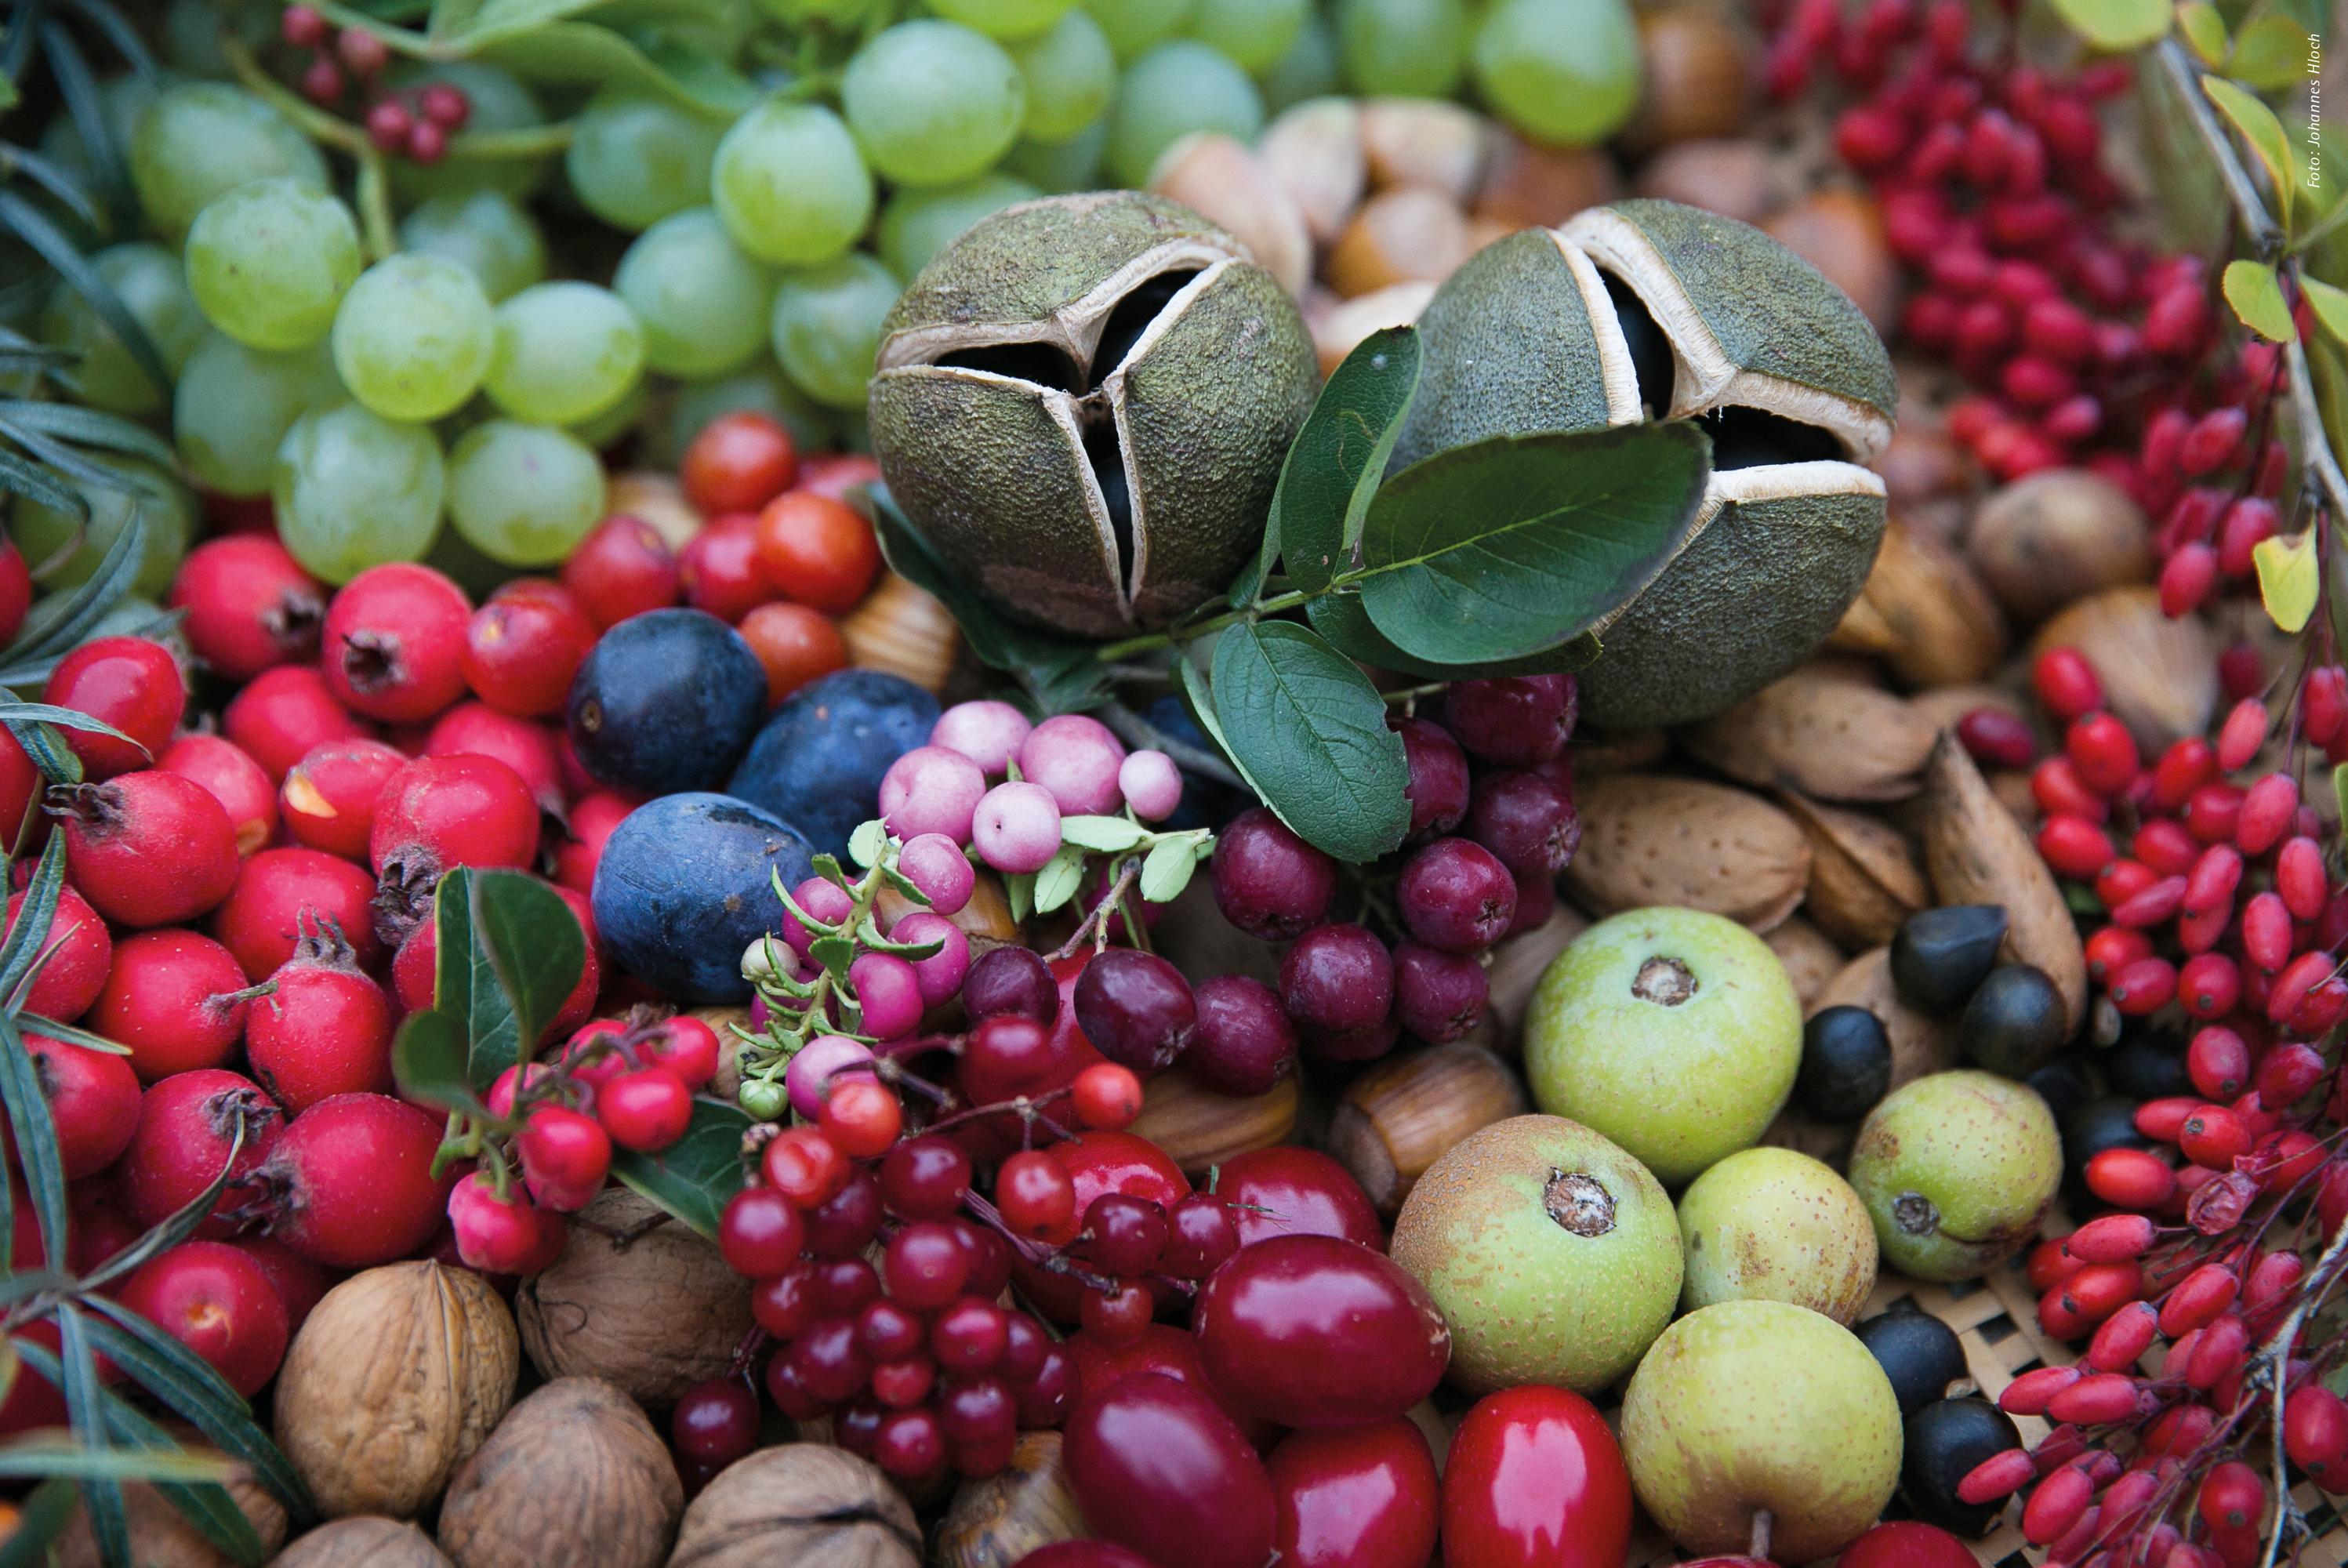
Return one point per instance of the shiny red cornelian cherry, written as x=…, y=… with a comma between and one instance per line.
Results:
x=1314, y=1331
x=1158, y=1468
x=1286, y=1191
x=1534, y=1479
x=1355, y=1497
x=1906, y=1544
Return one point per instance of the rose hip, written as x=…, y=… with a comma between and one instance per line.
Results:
x=324, y=1030
x=394, y=643
x=522, y=650
x=621, y=569
x=220, y=1304
x=247, y=605
x=129, y=683
x=175, y=999
x=79, y=955
x=350, y=1182
x=282, y=894
x=146, y=848
x=231, y=777
x=329, y=797
x=93, y=1102
x=187, y=1125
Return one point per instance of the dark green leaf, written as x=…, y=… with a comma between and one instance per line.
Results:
x=1339, y=616
x=33, y=226
x=86, y=1408
x=428, y=1058
x=21, y=949
x=36, y=1140
x=692, y=1178
x=23, y=26
x=536, y=949
x=204, y=1504
x=33, y=480
x=15, y=713
x=41, y=1519
x=92, y=428
x=1309, y=732
x=59, y=184
x=40, y=1456
x=48, y=752
x=71, y=1033
x=1337, y=459
x=1510, y=545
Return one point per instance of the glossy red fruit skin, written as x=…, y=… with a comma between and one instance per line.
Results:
x=350, y=1182
x=160, y=1000
x=218, y=1303
x=15, y=591
x=455, y=810
x=232, y=779
x=1080, y=1554
x=283, y=713
x=1534, y=1479
x=129, y=683
x=530, y=750
x=282, y=893
x=593, y=821
x=1158, y=1468
x=93, y=1100
x=326, y=1030
x=328, y=799
x=249, y=605
x=300, y=1283
x=393, y=645
x=1286, y=1191
x=1906, y=1544
x=1314, y=1331
x=621, y=569
x=80, y=953
x=1356, y=1496
x=182, y=1139
x=520, y=651
x=1098, y=1162
x=1161, y=1348
x=148, y=848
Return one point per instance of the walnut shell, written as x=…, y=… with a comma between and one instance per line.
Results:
x=1821, y=733
x=1975, y=852
x=1219, y=178
x=1810, y=959
x=363, y=1541
x=397, y=1377
x=2059, y=535
x=1864, y=879
x=1651, y=840
x=1199, y=1127
x=656, y=1313
x=802, y=1505
x=902, y=629
x=996, y=1521
x=160, y=1535
x=1403, y=1113
x=2161, y=677
x=1921, y=1043
x=574, y=1477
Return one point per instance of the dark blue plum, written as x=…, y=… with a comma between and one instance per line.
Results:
x=666, y=701
x=685, y=886
x=817, y=763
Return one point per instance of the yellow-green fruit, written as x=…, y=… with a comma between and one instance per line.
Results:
x=1554, y=1255
x=1774, y=1224
x=1957, y=1170
x=1673, y=1031
x=1650, y=309
x=1083, y=404
x=1756, y=1407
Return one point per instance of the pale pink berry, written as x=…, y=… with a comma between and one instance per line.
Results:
x=1076, y=758
x=935, y=864
x=890, y=993
x=988, y=733
x=940, y=974
x=825, y=900
x=1151, y=784
x=1016, y=828
x=931, y=790
x=814, y=1069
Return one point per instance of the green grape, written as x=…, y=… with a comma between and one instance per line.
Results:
x=43, y=532
x=828, y=327
x=199, y=139
x=234, y=404
x=1566, y=72
x=499, y=102
x=413, y=337
x=791, y=185
x=606, y=428
x=760, y=390
x=917, y=224
x=1173, y=91
x=148, y=281
x=1071, y=74
x=1004, y=19
x=354, y=490
x=1136, y=26
x=523, y=494
x=484, y=232
x=193, y=30
x=269, y=262
x=702, y=301
x=1412, y=48
x=634, y=159
x=564, y=351
x=1254, y=32
x=1056, y=167
x=933, y=103
x=120, y=101
x=1308, y=70
x=834, y=13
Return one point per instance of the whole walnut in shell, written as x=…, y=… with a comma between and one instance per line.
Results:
x=802, y=1505
x=397, y=1377
x=364, y=1541
x=654, y=1313
x=160, y=1535
x=574, y=1477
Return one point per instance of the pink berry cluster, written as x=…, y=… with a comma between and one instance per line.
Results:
x=416, y=125
x=1491, y=825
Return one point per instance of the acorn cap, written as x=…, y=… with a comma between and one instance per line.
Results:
x=1084, y=402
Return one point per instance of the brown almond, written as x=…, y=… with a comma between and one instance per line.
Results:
x=996, y=1521
x=2059, y=535
x=1921, y=1043
x=1841, y=233
x=658, y=499
x=1864, y=879
x=1818, y=732
x=1942, y=706
x=1699, y=76
x=1945, y=627
x=1649, y=840
x=1314, y=151
x=1810, y=958
x=1219, y=178
x=2161, y=677
x=1427, y=144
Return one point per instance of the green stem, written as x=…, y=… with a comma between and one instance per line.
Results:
x=532, y=141
x=1111, y=653
x=326, y=129
x=376, y=224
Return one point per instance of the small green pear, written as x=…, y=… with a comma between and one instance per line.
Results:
x=1554, y=1255
x=1957, y=1170
x=1755, y=1408
x=1774, y=1224
x=1673, y=1031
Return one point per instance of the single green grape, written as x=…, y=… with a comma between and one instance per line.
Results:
x=413, y=337
x=1254, y=32
x=1057, y=166
x=486, y=232
x=234, y=404
x=833, y=13
x=917, y=224
x=132, y=489
x=1173, y=91
x=761, y=390
x=606, y=428
x=634, y=159
x=199, y=139
x=1309, y=69
x=933, y=103
x=120, y=101
x=703, y=303
x=1136, y=26
x=1566, y=72
x=354, y=490
x=564, y=352
x=1004, y=19
x=828, y=327
x=1071, y=74
x=269, y=262
x=523, y=494
x=790, y=184
x=499, y=102
x=1410, y=48
x=148, y=281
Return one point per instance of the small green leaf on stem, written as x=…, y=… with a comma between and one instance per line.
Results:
x=869, y=842
x=1165, y=869
x=2117, y=25
x=1110, y=835
x=1057, y=883
x=2270, y=53
x=2204, y=31
x=2330, y=305
x=2259, y=128
x=2256, y=294
x=2288, y=576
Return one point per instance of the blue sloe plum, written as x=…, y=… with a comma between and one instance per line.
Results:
x=665, y=701
x=818, y=764
x=686, y=884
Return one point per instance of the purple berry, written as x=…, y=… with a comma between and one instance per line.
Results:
x=931, y=790
x=1528, y=823
x=1457, y=896
x=1439, y=996
x=988, y=733
x=1076, y=758
x=1337, y=978
x=826, y=901
x=1437, y=789
x=1512, y=721
x=1011, y=979
x=1151, y=784
x=935, y=863
x=1268, y=881
x=1244, y=1041
x=1136, y=1008
x=940, y=975
x=1535, y=902
x=1016, y=828
x=1355, y=1044
x=889, y=991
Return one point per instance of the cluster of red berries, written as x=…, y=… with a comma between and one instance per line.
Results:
x=414, y=123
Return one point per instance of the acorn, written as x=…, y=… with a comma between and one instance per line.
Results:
x=1648, y=309
x=1084, y=402
x=1403, y=1114
x=900, y=628
x=996, y=1521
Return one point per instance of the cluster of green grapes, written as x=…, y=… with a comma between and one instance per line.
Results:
x=370, y=395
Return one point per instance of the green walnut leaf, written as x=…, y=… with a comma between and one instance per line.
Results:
x=1510, y=545
x=2117, y=25
x=510, y=953
x=1309, y=733
x=1339, y=616
x=2256, y=294
x=2261, y=129
x=696, y=1176
x=1335, y=464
